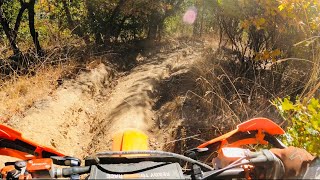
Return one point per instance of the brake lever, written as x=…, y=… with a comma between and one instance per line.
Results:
x=66, y=161
x=195, y=152
x=274, y=141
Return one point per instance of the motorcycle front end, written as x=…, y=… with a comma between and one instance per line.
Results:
x=131, y=158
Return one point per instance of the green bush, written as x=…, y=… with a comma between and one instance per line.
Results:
x=303, y=117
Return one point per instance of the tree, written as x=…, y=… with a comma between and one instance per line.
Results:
x=12, y=33
x=111, y=28
x=33, y=32
x=68, y=14
x=159, y=11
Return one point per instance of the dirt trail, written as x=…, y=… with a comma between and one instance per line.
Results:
x=80, y=117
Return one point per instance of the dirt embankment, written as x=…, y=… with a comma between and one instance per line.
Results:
x=80, y=117
x=63, y=120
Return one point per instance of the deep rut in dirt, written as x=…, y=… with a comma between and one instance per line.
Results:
x=81, y=116
x=131, y=103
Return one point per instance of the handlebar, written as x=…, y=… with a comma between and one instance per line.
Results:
x=67, y=172
x=264, y=158
x=230, y=173
x=162, y=153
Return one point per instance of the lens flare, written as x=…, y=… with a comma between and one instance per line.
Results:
x=190, y=16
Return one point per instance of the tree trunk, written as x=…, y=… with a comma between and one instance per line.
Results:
x=197, y=23
x=9, y=32
x=118, y=30
x=23, y=7
x=71, y=24
x=160, y=29
x=196, y=28
x=202, y=18
x=155, y=22
x=68, y=14
x=152, y=34
x=92, y=19
x=34, y=34
x=110, y=27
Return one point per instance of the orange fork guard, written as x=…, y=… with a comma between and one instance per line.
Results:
x=260, y=124
x=13, y=137
x=130, y=140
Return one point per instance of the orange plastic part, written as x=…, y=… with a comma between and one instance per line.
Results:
x=264, y=124
x=39, y=165
x=220, y=138
x=130, y=140
x=15, y=153
x=9, y=133
x=6, y=169
x=13, y=135
x=260, y=124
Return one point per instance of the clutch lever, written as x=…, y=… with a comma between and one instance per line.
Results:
x=195, y=152
x=274, y=141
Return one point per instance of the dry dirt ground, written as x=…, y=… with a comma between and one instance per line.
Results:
x=80, y=117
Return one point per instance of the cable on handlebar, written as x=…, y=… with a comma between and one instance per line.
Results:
x=101, y=168
x=178, y=156
x=236, y=173
x=209, y=175
x=237, y=161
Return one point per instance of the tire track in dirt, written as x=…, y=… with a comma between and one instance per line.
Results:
x=79, y=118
x=131, y=102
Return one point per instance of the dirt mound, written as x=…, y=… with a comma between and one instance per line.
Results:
x=63, y=119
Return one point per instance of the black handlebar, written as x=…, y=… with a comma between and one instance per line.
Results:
x=162, y=153
x=227, y=174
x=67, y=172
x=264, y=157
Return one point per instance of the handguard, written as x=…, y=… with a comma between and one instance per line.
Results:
x=14, y=145
x=253, y=131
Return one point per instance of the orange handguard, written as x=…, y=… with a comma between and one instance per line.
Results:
x=14, y=145
x=262, y=125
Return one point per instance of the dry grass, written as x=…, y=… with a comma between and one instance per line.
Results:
x=19, y=93
x=312, y=87
x=224, y=96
